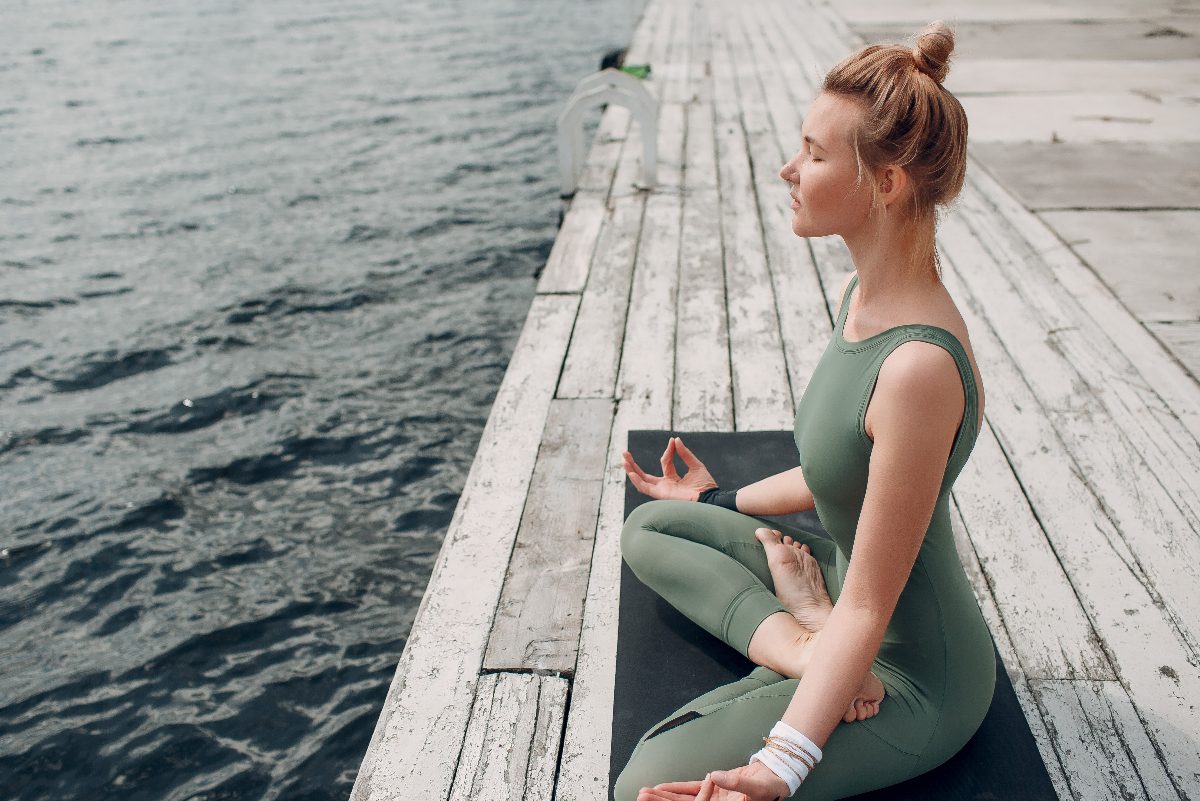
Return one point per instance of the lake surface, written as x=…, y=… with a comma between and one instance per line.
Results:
x=262, y=267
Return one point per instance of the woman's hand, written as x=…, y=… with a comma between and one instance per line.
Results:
x=670, y=486
x=754, y=782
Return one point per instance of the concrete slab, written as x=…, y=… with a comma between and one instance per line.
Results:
x=1148, y=258
x=1093, y=175
x=1090, y=38
x=1183, y=339
x=1157, y=79
x=1038, y=11
x=1081, y=117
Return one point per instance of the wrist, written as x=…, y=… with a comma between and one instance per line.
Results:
x=789, y=755
x=719, y=497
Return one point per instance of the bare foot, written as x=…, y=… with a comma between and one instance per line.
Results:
x=797, y=576
x=800, y=586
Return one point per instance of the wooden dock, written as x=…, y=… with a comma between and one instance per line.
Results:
x=1077, y=516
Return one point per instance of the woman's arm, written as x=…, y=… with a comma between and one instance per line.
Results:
x=780, y=494
x=918, y=403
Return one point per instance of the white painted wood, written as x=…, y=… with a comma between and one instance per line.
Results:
x=1080, y=117
x=1111, y=451
x=570, y=257
x=1182, y=338
x=1007, y=650
x=596, y=177
x=703, y=398
x=677, y=67
x=1150, y=658
x=645, y=401
x=762, y=393
x=1102, y=741
x=1077, y=286
x=587, y=741
x=547, y=739
x=805, y=322
x=590, y=370
x=472, y=754
x=584, y=767
x=1051, y=631
x=540, y=611
x=1160, y=78
x=423, y=722
x=648, y=356
x=498, y=767
x=918, y=12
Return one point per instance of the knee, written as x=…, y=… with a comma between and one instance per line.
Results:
x=633, y=778
x=643, y=520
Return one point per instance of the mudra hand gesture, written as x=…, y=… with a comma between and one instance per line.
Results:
x=753, y=782
x=670, y=485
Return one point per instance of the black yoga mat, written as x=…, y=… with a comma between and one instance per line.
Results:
x=1000, y=761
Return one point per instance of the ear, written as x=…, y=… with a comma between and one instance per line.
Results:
x=892, y=183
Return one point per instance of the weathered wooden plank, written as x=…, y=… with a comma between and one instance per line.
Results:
x=703, y=398
x=804, y=318
x=1150, y=657
x=1135, y=175
x=541, y=604
x=1010, y=73
x=645, y=401
x=547, y=739
x=648, y=353
x=1103, y=743
x=590, y=370
x=1077, y=287
x=498, y=768
x=472, y=754
x=596, y=176
x=762, y=395
x=1121, y=465
x=675, y=71
x=1110, y=116
x=1015, y=556
x=1008, y=652
x=423, y=722
x=1182, y=338
x=570, y=257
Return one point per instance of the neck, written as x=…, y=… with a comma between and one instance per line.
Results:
x=894, y=262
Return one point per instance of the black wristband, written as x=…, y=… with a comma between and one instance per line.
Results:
x=719, y=497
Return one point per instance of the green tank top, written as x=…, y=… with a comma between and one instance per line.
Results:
x=937, y=650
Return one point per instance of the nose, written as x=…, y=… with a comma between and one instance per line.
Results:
x=788, y=170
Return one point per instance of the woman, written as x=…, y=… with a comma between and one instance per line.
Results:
x=878, y=629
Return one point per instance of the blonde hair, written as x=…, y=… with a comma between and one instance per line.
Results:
x=911, y=120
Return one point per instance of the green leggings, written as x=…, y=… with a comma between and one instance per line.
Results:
x=705, y=561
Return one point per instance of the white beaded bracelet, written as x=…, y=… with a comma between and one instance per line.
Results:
x=789, y=754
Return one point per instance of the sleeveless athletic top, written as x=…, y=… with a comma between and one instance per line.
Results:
x=937, y=655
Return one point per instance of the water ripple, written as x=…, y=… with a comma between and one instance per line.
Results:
x=263, y=269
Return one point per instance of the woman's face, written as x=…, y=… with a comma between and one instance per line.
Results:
x=826, y=196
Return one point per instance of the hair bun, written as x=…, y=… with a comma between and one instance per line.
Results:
x=932, y=53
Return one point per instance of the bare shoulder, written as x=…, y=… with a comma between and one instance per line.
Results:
x=919, y=392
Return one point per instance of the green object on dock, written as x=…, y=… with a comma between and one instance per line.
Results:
x=637, y=70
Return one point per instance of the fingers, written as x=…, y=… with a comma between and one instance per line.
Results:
x=654, y=794
x=685, y=452
x=632, y=467
x=668, y=460
x=680, y=787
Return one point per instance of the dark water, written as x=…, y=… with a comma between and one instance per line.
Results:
x=263, y=266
